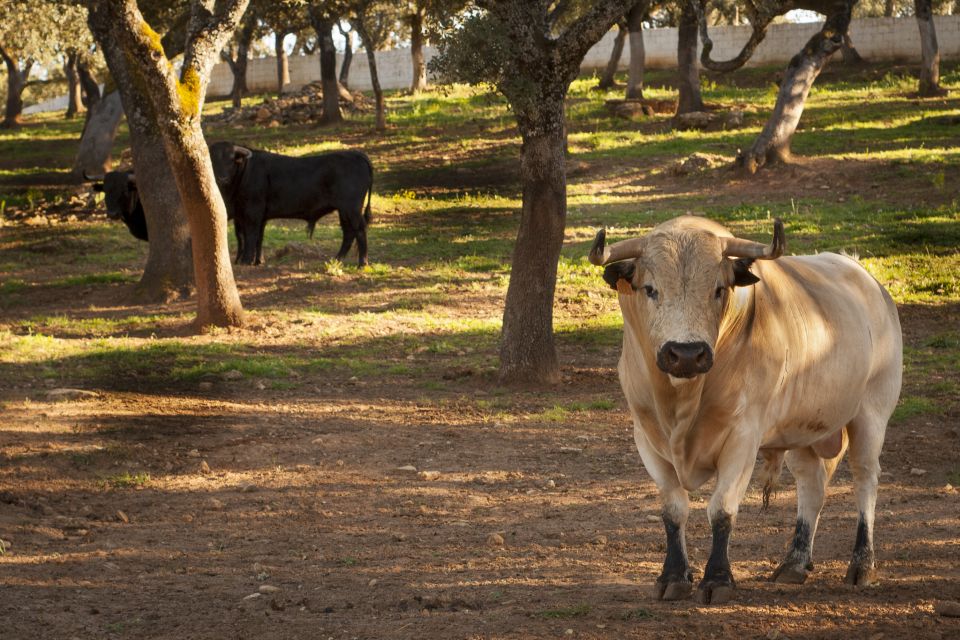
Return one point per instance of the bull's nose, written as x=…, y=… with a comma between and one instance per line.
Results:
x=685, y=359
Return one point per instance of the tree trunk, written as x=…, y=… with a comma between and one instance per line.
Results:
x=637, y=53
x=99, y=132
x=609, y=78
x=90, y=90
x=347, y=57
x=283, y=63
x=888, y=8
x=689, y=68
x=773, y=143
x=168, y=273
x=74, y=93
x=419, y=82
x=218, y=301
x=849, y=52
x=239, y=66
x=172, y=106
x=527, y=350
x=16, y=83
x=323, y=25
x=374, y=77
x=930, y=64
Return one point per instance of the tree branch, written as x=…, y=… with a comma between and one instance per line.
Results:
x=586, y=30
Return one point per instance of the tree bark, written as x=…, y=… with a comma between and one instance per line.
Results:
x=16, y=83
x=527, y=349
x=347, y=56
x=374, y=77
x=168, y=273
x=930, y=50
x=609, y=78
x=689, y=69
x=419, y=82
x=323, y=25
x=283, y=63
x=74, y=91
x=172, y=106
x=849, y=52
x=888, y=9
x=637, y=53
x=99, y=132
x=773, y=143
x=90, y=90
x=238, y=66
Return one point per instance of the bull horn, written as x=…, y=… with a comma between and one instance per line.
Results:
x=738, y=248
x=92, y=178
x=241, y=152
x=132, y=178
x=623, y=250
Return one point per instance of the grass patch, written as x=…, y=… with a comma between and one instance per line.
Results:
x=127, y=480
x=913, y=406
x=565, y=613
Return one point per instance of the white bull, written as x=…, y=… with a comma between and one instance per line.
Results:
x=724, y=357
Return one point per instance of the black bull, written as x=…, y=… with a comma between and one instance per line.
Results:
x=122, y=201
x=258, y=186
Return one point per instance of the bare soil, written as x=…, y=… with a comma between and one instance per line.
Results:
x=298, y=496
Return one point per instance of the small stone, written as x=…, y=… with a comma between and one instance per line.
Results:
x=409, y=468
x=248, y=487
x=948, y=488
x=204, y=467
x=573, y=450
x=373, y=582
x=947, y=608
x=494, y=540
x=253, y=596
x=600, y=541
x=205, y=386
x=268, y=588
x=568, y=632
x=399, y=537
x=551, y=484
x=193, y=453
x=428, y=475
x=917, y=472
x=188, y=518
x=653, y=518
x=213, y=504
x=260, y=385
x=122, y=517
x=233, y=374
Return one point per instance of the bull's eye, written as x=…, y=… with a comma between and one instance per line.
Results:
x=719, y=292
x=651, y=292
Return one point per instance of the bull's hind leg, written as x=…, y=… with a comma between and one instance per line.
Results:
x=362, y=244
x=813, y=474
x=676, y=579
x=866, y=431
x=348, y=236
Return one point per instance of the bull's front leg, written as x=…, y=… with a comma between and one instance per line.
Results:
x=734, y=468
x=676, y=580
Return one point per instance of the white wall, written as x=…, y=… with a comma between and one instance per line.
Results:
x=875, y=38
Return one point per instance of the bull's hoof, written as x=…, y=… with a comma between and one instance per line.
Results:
x=715, y=591
x=791, y=573
x=678, y=589
x=861, y=575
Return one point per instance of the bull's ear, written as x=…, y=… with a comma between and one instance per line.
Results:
x=619, y=276
x=97, y=186
x=742, y=277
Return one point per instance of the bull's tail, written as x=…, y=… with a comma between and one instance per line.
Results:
x=367, y=215
x=311, y=224
x=770, y=474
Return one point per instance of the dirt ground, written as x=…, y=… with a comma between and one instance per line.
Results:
x=287, y=514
